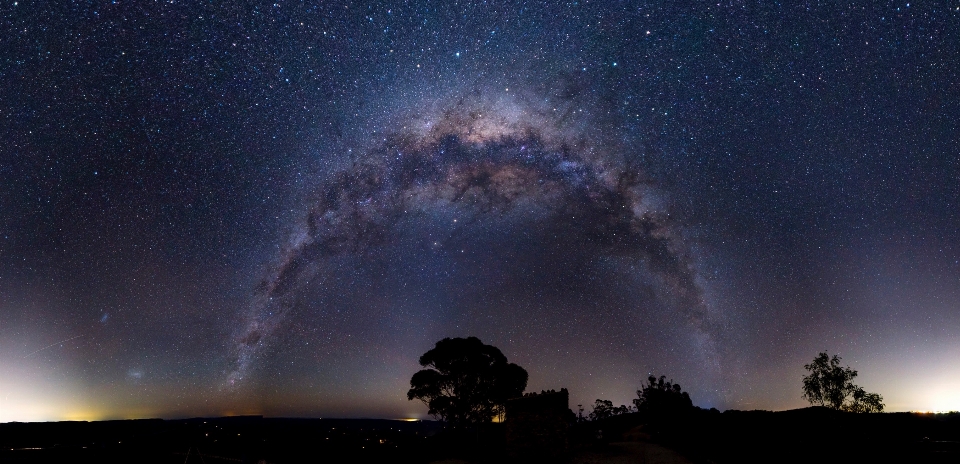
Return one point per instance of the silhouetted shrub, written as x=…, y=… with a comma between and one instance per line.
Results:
x=659, y=396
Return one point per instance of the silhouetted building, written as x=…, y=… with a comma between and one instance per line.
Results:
x=538, y=424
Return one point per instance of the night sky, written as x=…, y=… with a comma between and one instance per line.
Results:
x=212, y=208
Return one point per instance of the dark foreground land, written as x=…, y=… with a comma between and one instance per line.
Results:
x=699, y=436
x=810, y=435
x=247, y=439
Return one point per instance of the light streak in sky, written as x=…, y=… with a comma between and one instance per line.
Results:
x=52, y=345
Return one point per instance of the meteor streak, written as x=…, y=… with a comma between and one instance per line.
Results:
x=52, y=345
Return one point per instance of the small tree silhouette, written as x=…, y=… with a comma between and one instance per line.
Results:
x=661, y=396
x=603, y=409
x=829, y=384
x=861, y=401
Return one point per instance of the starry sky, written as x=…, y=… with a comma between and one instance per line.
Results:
x=212, y=208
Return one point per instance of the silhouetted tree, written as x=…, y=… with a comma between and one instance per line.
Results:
x=862, y=401
x=829, y=384
x=466, y=381
x=660, y=396
x=603, y=409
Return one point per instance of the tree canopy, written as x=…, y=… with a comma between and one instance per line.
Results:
x=831, y=385
x=466, y=381
x=660, y=395
x=603, y=409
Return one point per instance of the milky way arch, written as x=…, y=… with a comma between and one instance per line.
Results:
x=484, y=162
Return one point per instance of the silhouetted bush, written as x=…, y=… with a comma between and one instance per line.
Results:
x=662, y=397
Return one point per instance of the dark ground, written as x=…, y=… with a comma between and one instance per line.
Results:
x=806, y=435
x=221, y=440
